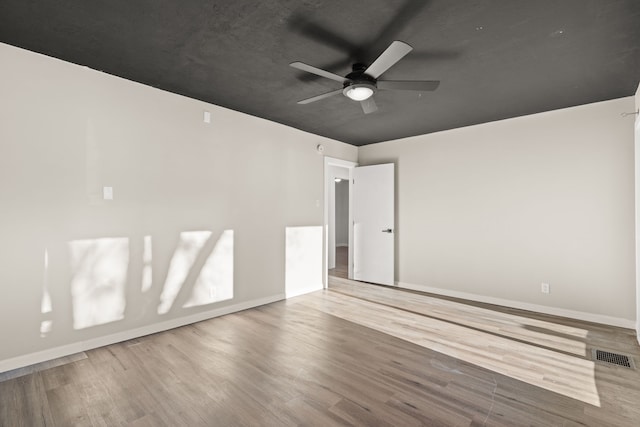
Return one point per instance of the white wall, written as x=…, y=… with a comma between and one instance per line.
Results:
x=67, y=131
x=491, y=211
x=342, y=213
x=637, y=182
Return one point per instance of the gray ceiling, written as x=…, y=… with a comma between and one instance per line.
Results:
x=495, y=58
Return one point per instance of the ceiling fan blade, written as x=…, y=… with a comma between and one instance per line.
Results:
x=394, y=53
x=319, y=97
x=336, y=65
x=422, y=86
x=369, y=105
x=315, y=70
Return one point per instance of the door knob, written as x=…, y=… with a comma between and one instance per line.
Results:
x=387, y=230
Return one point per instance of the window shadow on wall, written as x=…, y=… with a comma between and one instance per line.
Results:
x=142, y=278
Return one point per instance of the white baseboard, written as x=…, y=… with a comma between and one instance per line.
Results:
x=306, y=290
x=77, y=347
x=555, y=311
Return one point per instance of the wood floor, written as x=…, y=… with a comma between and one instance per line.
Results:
x=356, y=354
x=342, y=266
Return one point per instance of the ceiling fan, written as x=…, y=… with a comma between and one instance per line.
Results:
x=362, y=82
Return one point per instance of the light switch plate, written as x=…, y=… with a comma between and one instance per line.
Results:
x=207, y=117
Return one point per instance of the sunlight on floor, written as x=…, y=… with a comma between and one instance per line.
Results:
x=537, y=331
x=496, y=348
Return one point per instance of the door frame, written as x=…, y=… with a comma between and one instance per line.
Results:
x=329, y=180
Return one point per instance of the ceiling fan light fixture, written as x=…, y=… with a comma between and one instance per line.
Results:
x=359, y=92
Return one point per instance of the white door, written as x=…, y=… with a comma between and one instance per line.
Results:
x=373, y=222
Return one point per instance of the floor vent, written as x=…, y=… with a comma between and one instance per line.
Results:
x=613, y=358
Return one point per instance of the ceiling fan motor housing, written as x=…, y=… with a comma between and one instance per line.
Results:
x=358, y=79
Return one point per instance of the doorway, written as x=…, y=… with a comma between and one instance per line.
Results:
x=341, y=229
x=369, y=254
x=338, y=218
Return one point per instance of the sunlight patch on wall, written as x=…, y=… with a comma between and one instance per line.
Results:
x=303, y=257
x=45, y=304
x=215, y=282
x=147, y=269
x=45, y=328
x=99, y=274
x=211, y=280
